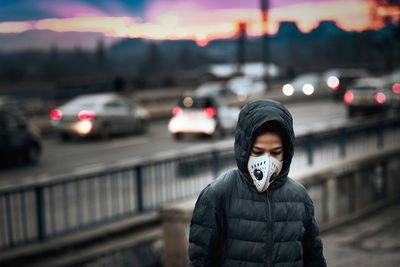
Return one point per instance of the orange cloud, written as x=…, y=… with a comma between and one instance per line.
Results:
x=111, y=26
x=190, y=21
x=14, y=27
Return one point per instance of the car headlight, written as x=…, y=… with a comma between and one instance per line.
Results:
x=83, y=127
x=308, y=89
x=288, y=89
x=333, y=82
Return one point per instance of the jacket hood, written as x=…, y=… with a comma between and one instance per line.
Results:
x=251, y=117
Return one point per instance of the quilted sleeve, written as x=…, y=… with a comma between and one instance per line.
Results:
x=312, y=244
x=205, y=231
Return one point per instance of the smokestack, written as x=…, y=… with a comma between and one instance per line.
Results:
x=241, y=49
x=264, y=6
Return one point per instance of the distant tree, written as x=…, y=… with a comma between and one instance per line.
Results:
x=154, y=57
x=184, y=58
x=54, y=53
x=100, y=52
x=14, y=72
x=119, y=84
x=52, y=69
x=78, y=53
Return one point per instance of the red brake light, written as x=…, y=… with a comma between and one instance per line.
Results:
x=210, y=112
x=56, y=114
x=336, y=87
x=380, y=98
x=396, y=88
x=177, y=111
x=86, y=115
x=348, y=97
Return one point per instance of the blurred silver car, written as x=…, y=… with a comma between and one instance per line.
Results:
x=102, y=115
x=392, y=80
x=212, y=89
x=369, y=95
x=306, y=84
x=202, y=115
x=246, y=86
x=338, y=80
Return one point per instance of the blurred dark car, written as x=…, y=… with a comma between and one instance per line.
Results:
x=19, y=142
x=339, y=79
x=369, y=95
x=11, y=103
x=204, y=115
x=101, y=115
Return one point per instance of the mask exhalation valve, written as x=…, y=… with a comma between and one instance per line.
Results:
x=258, y=174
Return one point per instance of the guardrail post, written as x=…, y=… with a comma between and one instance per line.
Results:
x=216, y=163
x=310, y=149
x=9, y=220
x=342, y=143
x=139, y=188
x=41, y=226
x=379, y=135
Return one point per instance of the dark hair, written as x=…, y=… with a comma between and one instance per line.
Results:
x=276, y=128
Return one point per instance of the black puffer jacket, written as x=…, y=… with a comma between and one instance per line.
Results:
x=235, y=225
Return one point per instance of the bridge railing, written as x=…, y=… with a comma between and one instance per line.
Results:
x=40, y=211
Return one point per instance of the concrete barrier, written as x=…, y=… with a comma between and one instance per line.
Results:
x=176, y=232
x=342, y=191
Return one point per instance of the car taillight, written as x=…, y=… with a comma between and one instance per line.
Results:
x=86, y=115
x=396, y=88
x=210, y=112
x=177, y=111
x=380, y=98
x=348, y=97
x=56, y=114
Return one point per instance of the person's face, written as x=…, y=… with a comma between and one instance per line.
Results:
x=268, y=144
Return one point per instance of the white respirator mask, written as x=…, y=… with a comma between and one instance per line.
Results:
x=262, y=170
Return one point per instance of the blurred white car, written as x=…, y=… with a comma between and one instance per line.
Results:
x=212, y=89
x=202, y=115
x=102, y=114
x=306, y=84
x=245, y=86
x=369, y=95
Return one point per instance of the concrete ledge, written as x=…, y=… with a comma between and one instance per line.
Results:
x=342, y=166
x=81, y=238
x=359, y=214
x=98, y=249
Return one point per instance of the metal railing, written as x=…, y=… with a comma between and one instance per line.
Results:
x=41, y=211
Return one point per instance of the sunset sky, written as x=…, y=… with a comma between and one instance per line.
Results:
x=199, y=20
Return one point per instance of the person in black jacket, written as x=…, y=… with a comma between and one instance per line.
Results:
x=255, y=215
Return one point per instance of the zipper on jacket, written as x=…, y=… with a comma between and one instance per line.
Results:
x=269, y=233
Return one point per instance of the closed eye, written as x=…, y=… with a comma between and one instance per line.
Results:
x=258, y=153
x=276, y=153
